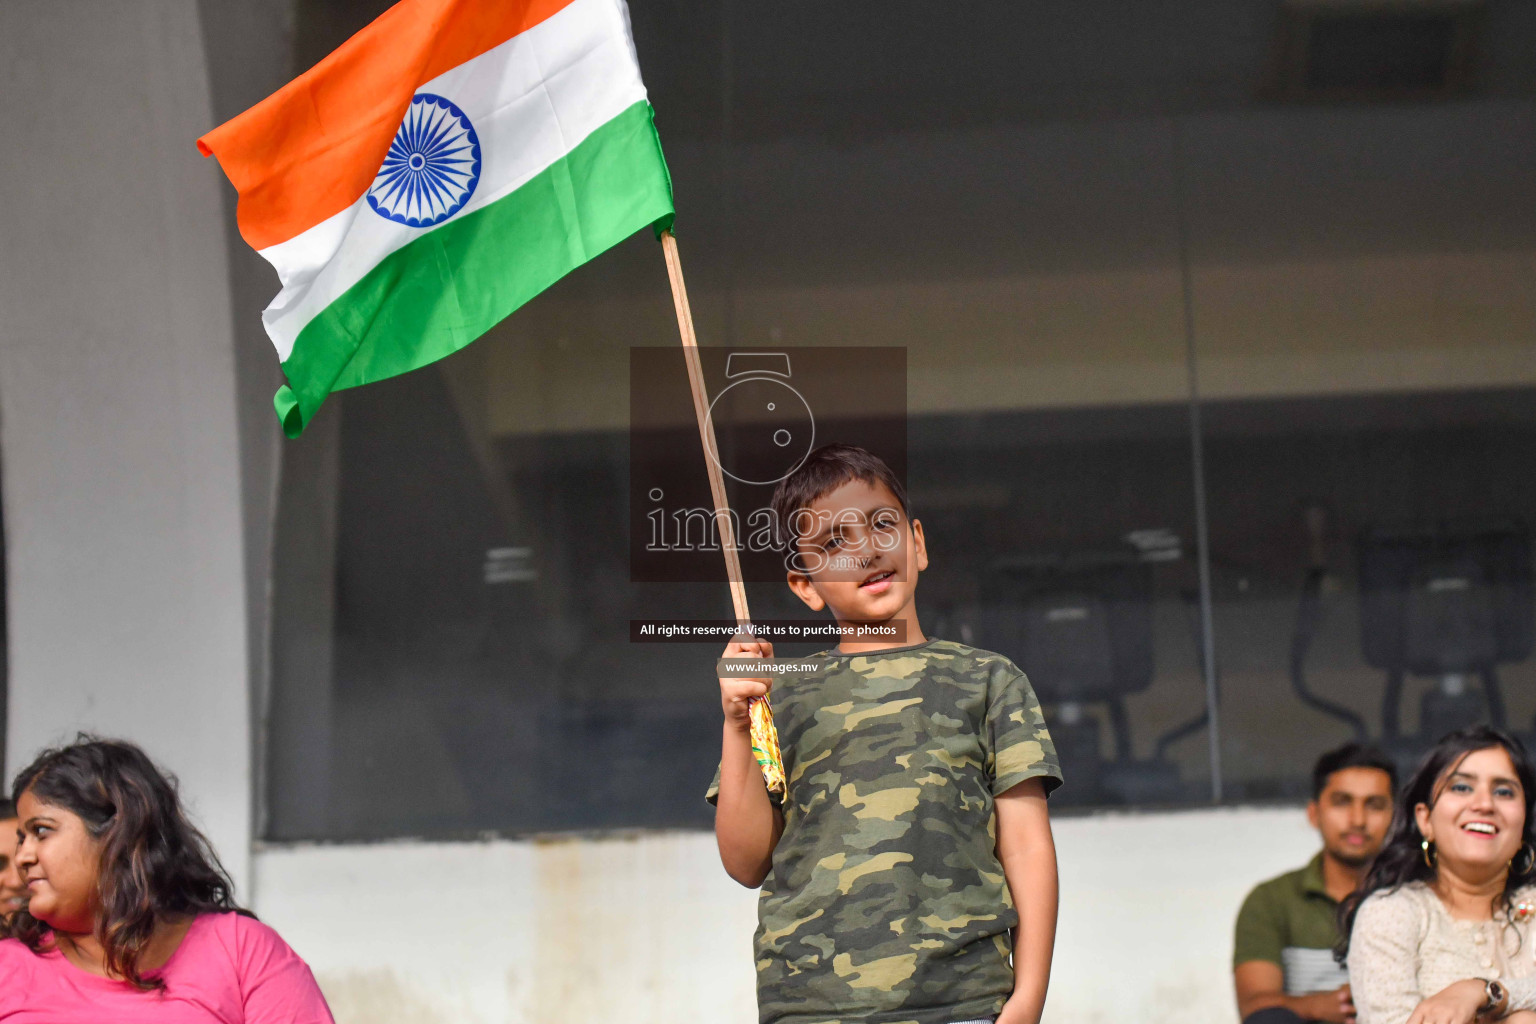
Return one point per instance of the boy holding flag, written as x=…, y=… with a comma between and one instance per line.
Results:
x=912, y=852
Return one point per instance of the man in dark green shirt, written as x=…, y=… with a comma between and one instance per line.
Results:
x=1283, y=956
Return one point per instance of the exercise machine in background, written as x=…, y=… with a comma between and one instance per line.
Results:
x=1449, y=603
x=1081, y=626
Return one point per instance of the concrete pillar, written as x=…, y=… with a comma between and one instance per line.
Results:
x=120, y=450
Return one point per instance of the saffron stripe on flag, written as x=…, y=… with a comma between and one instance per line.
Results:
x=311, y=149
x=446, y=288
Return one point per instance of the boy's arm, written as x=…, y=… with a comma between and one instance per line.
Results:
x=747, y=823
x=1028, y=855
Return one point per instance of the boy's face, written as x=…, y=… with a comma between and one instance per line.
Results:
x=860, y=553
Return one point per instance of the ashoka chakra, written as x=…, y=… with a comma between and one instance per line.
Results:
x=432, y=167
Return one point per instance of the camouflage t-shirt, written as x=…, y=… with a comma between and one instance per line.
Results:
x=886, y=903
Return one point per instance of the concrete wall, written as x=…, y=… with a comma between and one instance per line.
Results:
x=124, y=549
x=648, y=929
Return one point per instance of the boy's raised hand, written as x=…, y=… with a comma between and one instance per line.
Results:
x=747, y=823
x=737, y=692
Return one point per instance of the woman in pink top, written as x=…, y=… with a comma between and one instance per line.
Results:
x=129, y=916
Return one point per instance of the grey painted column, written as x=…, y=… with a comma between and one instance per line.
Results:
x=120, y=448
x=249, y=55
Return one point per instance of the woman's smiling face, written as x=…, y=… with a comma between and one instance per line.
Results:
x=1477, y=822
x=58, y=859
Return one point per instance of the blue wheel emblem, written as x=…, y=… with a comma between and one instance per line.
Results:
x=432, y=167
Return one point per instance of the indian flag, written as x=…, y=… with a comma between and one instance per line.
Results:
x=444, y=166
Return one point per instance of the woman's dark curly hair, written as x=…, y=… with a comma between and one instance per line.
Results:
x=154, y=863
x=1401, y=859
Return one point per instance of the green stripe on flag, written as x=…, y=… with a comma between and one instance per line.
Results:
x=432, y=297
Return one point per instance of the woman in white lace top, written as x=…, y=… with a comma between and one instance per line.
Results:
x=1443, y=931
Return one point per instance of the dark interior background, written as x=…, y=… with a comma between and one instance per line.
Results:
x=452, y=599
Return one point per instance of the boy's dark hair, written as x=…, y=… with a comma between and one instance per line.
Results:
x=823, y=471
x=7, y=810
x=1351, y=755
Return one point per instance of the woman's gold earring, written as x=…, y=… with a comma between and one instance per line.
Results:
x=1428, y=862
x=1530, y=859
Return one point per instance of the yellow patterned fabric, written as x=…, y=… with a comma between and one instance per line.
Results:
x=765, y=746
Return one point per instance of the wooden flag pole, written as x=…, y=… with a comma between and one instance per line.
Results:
x=765, y=740
x=706, y=429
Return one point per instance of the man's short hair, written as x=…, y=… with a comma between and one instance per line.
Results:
x=1351, y=755
x=823, y=471
x=7, y=809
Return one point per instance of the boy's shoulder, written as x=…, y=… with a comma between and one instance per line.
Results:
x=941, y=659
x=933, y=662
x=954, y=652
x=933, y=653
